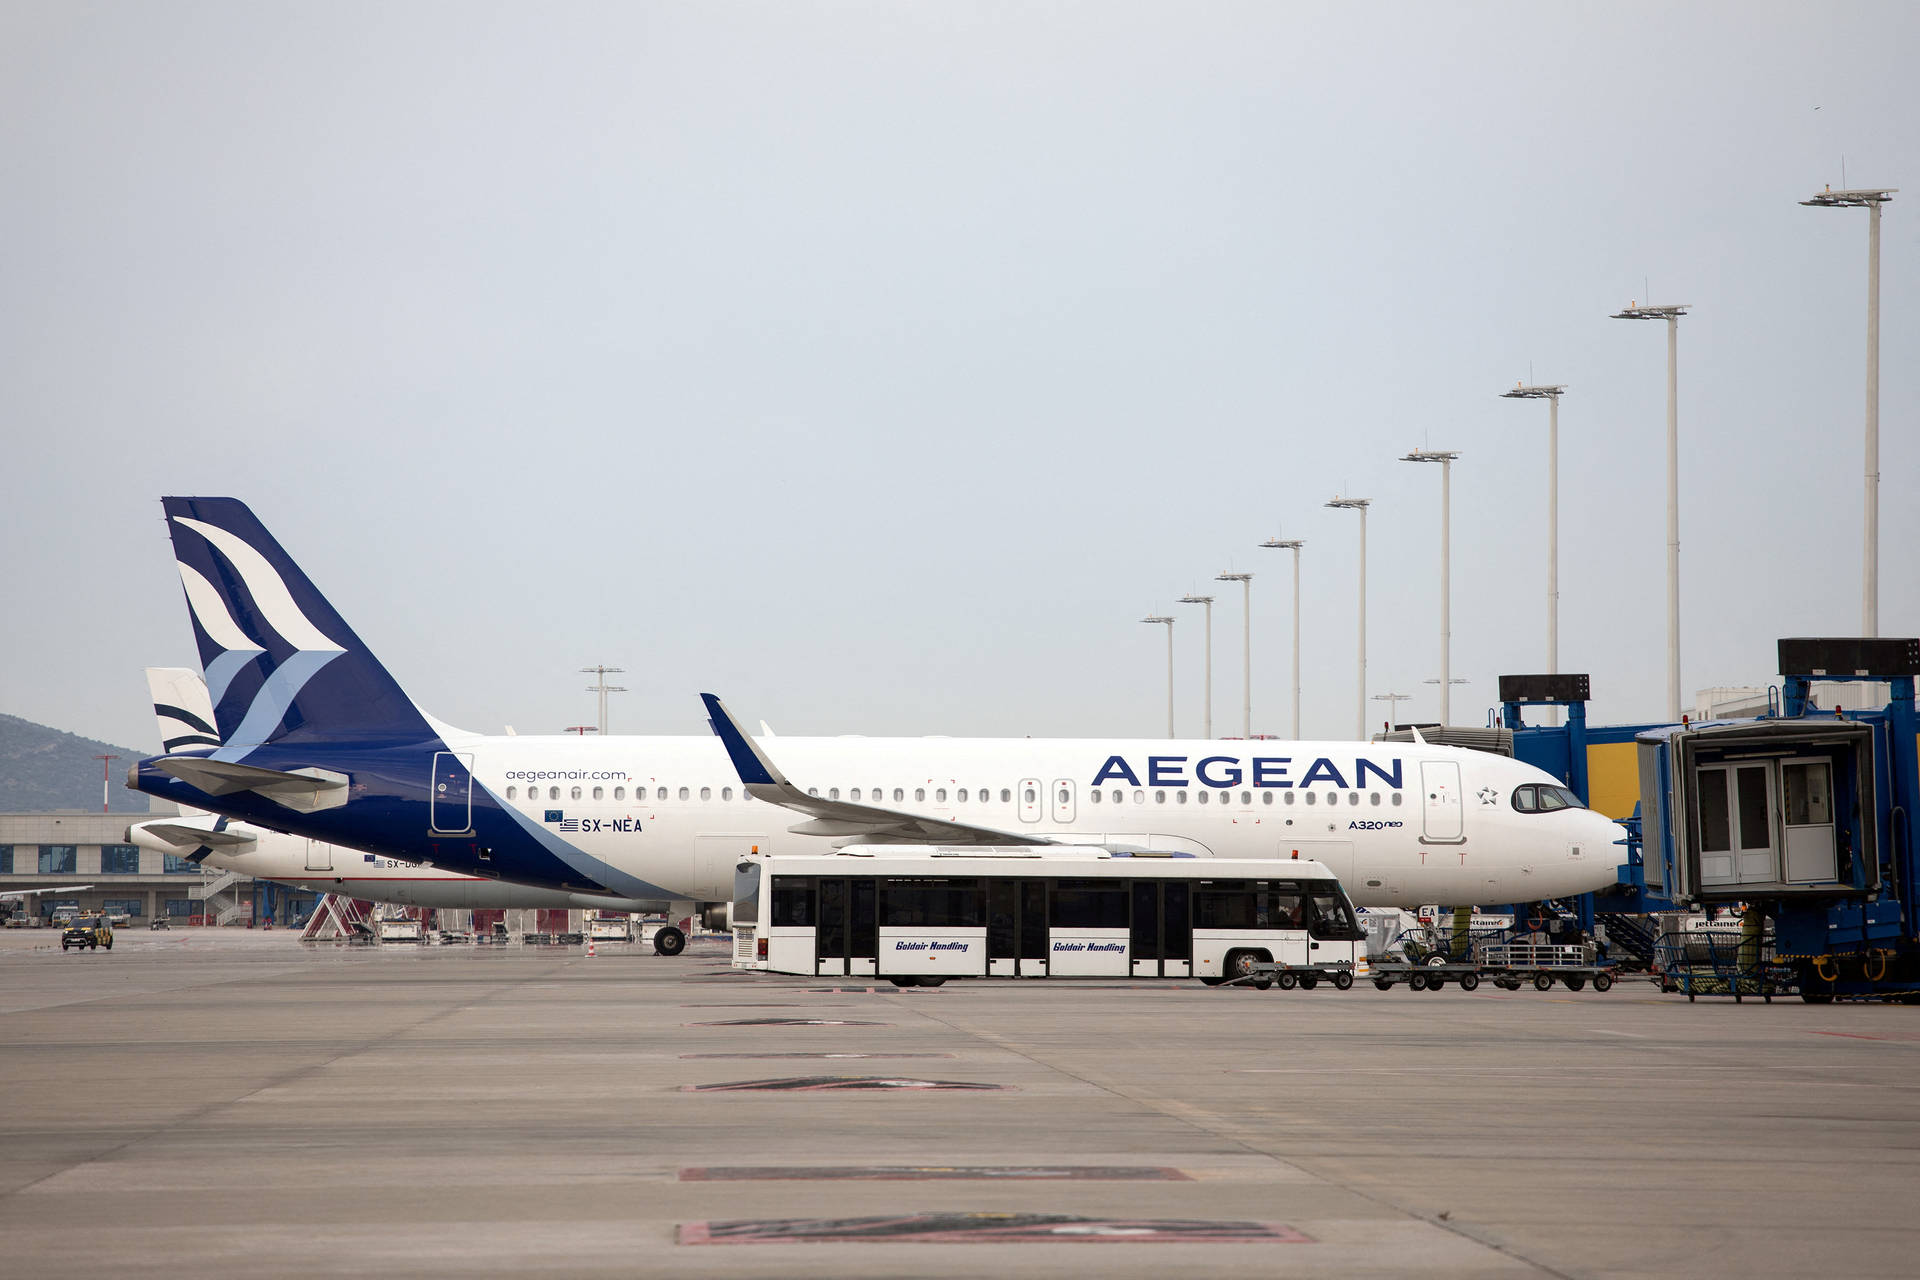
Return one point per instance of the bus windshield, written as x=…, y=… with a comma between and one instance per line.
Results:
x=1333, y=917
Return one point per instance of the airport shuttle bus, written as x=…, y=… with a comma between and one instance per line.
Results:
x=919, y=916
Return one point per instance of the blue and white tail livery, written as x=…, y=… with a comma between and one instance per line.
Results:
x=312, y=736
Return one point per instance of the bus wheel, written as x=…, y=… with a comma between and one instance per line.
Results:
x=669, y=941
x=1543, y=982
x=931, y=982
x=904, y=982
x=1343, y=981
x=1239, y=964
x=1469, y=981
x=1287, y=981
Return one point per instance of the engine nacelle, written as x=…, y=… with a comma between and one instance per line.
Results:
x=715, y=917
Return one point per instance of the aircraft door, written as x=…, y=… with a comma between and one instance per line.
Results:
x=450, y=797
x=1029, y=799
x=1440, y=790
x=1063, y=799
x=319, y=855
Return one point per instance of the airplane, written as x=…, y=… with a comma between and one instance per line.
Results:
x=21, y=895
x=315, y=738
x=185, y=712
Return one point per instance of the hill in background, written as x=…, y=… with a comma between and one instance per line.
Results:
x=43, y=769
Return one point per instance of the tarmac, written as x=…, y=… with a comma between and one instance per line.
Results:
x=217, y=1102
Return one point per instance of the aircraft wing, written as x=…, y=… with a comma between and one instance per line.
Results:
x=763, y=780
x=44, y=888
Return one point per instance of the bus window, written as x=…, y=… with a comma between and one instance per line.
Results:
x=1218, y=907
x=1332, y=915
x=1090, y=904
x=933, y=903
x=793, y=902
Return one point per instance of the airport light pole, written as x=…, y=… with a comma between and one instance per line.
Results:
x=1393, y=701
x=1206, y=720
x=1870, y=199
x=1293, y=545
x=1246, y=648
x=1551, y=394
x=1444, y=690
x=603, y=689
x=1158, y=618
x=1671, y=313
x=1445, y=458
x=1360, y=505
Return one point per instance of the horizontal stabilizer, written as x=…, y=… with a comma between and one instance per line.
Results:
x=302, y=789
x=191, y=837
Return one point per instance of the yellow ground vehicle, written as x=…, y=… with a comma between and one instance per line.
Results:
x=87, y=931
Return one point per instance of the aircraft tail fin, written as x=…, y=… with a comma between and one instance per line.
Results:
x=280, y=663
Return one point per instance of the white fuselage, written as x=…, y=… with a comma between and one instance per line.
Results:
x=1399, y=824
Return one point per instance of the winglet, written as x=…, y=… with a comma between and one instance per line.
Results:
x=753, y=767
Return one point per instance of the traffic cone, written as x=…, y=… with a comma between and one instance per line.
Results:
x=589, y=947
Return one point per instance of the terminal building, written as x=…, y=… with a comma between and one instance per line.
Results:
x=72, y=847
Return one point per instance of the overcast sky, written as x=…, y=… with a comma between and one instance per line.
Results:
x=879, y=366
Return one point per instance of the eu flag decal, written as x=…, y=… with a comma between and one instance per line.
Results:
x=553, y=815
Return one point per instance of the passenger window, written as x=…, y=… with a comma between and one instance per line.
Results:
x=1203, y=798
x=1289, y=797
x=706, y=793
x=1353, y=797
x=920, y=793
x=1374, y=797
x=1139, y=797
x=854, y=794
x=619, y=793
x=1159, y=797
x=1063, y=795
x=553, y=793
x=1266, y=797
x=1180, y=797
x=509, y=793
x=833, y=793
x=1246, y=797
x=1094, y=796
x=599, y=793
x=812, y=791
x=684, y=793
x=1027, y=796
x=941, y=795
x=898, y=794
x=662, y=795
x=1396, y=797
x=1006, y=795
x=726, y=793
x=574, y=794
x=1310, y=799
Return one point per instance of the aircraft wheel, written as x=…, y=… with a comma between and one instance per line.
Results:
x=1469, y=981
x=1543, y=982
x=1343, y=981
x=669, y=941
x=1287, y=981
x=1417, y=981
x=1574, y=983
x=1603, y=982
x=1436, y=958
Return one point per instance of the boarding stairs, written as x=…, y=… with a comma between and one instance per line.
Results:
x=1630, y=943
x=208, y=892
x=335, y=918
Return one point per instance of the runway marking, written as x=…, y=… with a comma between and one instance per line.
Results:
x=1602, y=1031
x=935, y=1173
x=787, y=1022
x=865, y=1084
x=988, y=1228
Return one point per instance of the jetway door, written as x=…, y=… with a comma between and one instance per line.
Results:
x=1440, y=801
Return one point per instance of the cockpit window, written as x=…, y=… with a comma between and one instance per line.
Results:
x=1540, y=797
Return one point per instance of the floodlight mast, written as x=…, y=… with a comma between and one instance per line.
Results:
x=1870, y=199
x=1293, y=545
x=1445, y=458
x=1393, y=701
x=1206, y=719
x=603, y=689
x=1360, y=505
x=1246, y=648
x=1551, y=394
x=1159, y=618
x=1671, y=313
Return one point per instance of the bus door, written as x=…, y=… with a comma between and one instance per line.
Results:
x=1003, y=928
x=1161, y=941
x=831, y=933
x=1033, y=929
x=863, y=933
